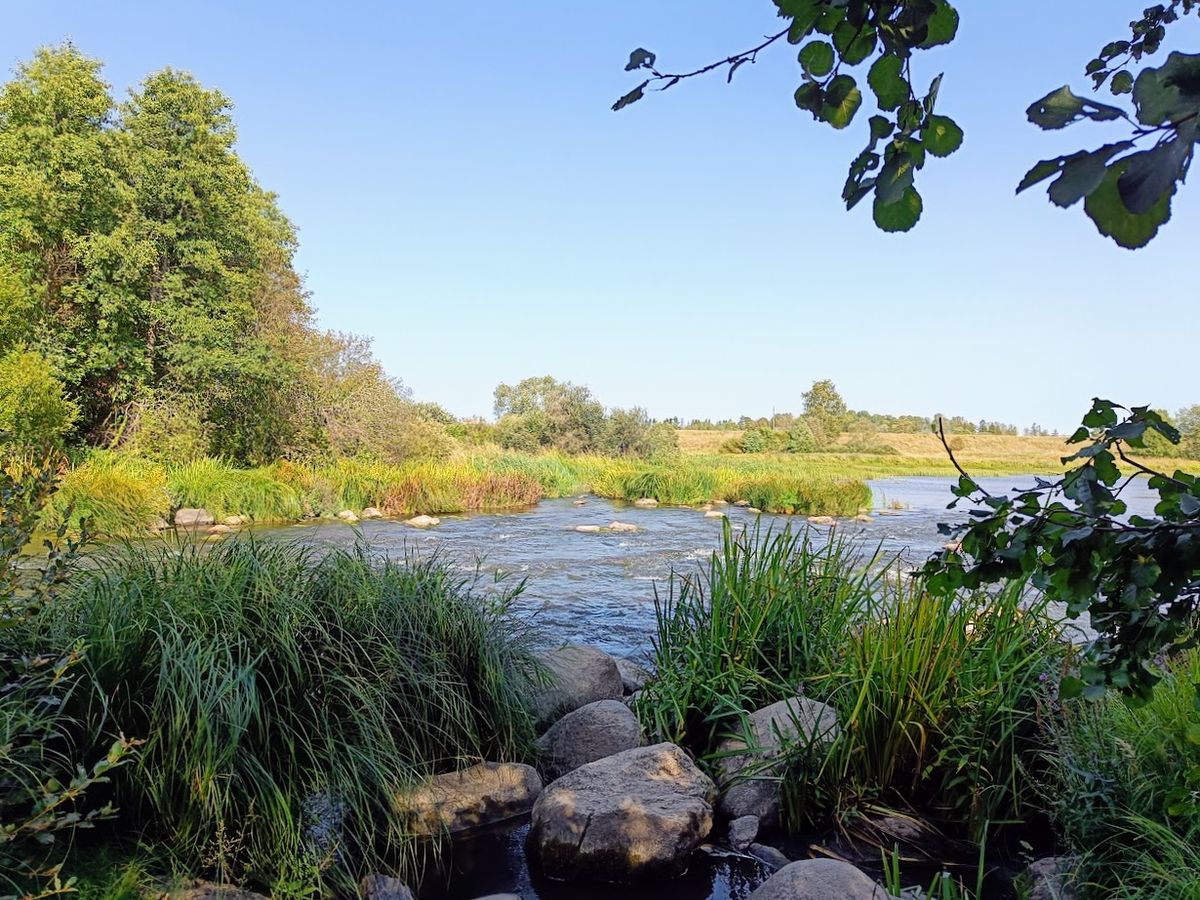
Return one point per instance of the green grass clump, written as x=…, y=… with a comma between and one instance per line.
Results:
x=225, y=490
x=937, y=698
x=1126, y=791
x=119, y=494
x=260, y=675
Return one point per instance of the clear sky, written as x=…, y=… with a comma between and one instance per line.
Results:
x=464, y=195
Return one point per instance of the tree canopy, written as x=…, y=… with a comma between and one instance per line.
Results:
x=1126, y=186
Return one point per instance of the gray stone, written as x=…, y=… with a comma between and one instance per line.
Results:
x=372, y=512
x=578, y=675
x=348, y=516
x=588, y=529
x=749, y=773
x=500, y=897
x=635, y=816
x=234, y=521
x=1052, y=878
x=742, y=832
x=423, y=521
x=207, y=890
x=819, y=879
x=219, y=529
x=384, y=887
x=714, y=514
x=193, y=517
x=478, y=796
x=633, y=676
x=742, y=503
x=770, y=857
x=829, y=521
x=646, y=503
x=622, y=527
x=589, y=733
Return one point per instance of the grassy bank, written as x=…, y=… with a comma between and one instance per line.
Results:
x=284, y=700
x=123, y=494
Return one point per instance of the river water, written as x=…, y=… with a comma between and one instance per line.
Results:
x=599, y=588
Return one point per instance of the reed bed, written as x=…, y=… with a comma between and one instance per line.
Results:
x=285, y=698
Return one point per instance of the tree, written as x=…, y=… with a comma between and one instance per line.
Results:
x=1188, y=422
x=33, y=410
x=825, y=411
x=542, y=413
x=1126, y=191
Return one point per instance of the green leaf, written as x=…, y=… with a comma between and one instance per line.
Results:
x=941, y=135
x=842, y=100
x=854, y=43
x=1061, y=108
x=1122, y=83
x=632, y=97
x=640, y=58
x=1079, y=178
x=943, y=25
x=1044, y=170
x=810, y=96
x=1112, y=219
x=804, y=15
x=895, y=178
x=817, y=58
x=880, y=128
x=901, y=215
x=886, y=80
x=1169, y=93
x=1153, y=174
x=1070, y=688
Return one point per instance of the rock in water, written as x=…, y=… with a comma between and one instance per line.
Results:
x=742, y=832
x=578, y=675
x=634, y=816
x=348, y=516
x=423, y=521
x=589, y=733
x=830, y=521
x=748, y=771
x=819, y=879
x=646, y=503
x=620, y=527
x=588, y=529
x=481, y=795
x=193, y=517
x=372, y=512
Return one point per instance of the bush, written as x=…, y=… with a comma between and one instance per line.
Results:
x=169, y=429
x=270, y=682
x=1125, y=787
x=33, y=410
x=45, y=779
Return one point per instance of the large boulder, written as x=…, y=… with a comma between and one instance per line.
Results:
x=589, y=733
x=578, y=675
x=749, y=771
x=634, y=816
x=819, y=879
x=482, y=795
x=193, y=517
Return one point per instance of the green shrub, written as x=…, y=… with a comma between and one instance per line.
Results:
x=263, y=677
x=33, y=410
x=1126, y=787
x=116, y=493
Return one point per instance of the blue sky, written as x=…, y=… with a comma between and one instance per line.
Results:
x=464, y=196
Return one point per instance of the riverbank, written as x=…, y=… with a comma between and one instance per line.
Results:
x=123, y=494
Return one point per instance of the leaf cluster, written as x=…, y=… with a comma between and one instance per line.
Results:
x=1137, y=576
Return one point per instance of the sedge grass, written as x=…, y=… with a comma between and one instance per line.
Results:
x=262, y=676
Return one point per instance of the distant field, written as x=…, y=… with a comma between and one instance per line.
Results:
x=923, y=454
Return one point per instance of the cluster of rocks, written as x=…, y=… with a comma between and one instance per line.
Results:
x=198, y=518
x=605, y=806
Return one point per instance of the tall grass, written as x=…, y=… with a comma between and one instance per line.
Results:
x=1126, y=791
x=938, y=699
x=264, y=679
x=119, y=494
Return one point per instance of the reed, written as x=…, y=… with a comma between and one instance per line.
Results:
x=274, y=687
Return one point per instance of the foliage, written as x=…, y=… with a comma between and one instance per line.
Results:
x=937, y=698
x=115, y=493
x=825, y=409
x=44, y=784
x=1127, y=192
x=1138, y=577
x=270, y=681
x=1124, y=787
x=33, y=410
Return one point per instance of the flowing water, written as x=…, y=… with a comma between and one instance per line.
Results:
x=599, y=588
